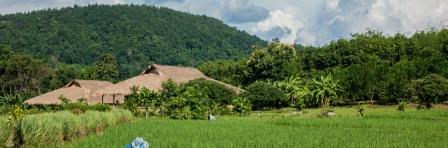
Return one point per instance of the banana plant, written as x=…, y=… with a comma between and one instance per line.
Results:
x=325, y=90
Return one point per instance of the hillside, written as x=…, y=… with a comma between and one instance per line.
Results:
x=136, y=35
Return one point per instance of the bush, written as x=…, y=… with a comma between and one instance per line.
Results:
x=216, y=92
x=427, y=90
x=262, y=95
x=9, y=100
x=190, y=104
x=402, y=105
x=5, y=131
x=242, y=106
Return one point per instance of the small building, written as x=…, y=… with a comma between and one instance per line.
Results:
x=152, y=78
x=75, y=90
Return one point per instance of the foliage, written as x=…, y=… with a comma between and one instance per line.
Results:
x=242, y=106
x=197, y=101
x=16, y=137
x=227, y=71
x=369, y=66
x=137, y=35
x=64, y=100
x=82, y=107
x=105, y=68
x=215, y=91
x=263, y=95
x=361, y=110
x=325, y=90
x=20, y=73
x=191, y=103
x=429, y=89
x=9, y=100
x=296, y=90
x=169, y=89
x=131, y=101
x=149, y=99
x=402, y=105
x=275, y=62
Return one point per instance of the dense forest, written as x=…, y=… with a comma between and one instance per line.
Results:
x=136, y=35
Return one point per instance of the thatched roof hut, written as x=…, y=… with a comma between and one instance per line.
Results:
x=73, y=91
x=153, y=77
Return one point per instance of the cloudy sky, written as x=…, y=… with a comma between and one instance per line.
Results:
x=308, y=22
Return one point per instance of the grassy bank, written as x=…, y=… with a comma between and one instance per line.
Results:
x=381, y=127
x=59, y=127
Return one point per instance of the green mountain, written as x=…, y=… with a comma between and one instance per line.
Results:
x=136, y=35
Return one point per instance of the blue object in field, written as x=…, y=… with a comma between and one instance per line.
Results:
x=138, y=143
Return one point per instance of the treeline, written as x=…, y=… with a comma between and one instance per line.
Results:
x=368, y=67
x=135, y=35
x=23, y=76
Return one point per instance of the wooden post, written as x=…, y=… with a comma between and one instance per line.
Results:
x=102, y=99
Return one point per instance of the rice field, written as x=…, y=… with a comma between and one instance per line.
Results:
x=380, y=127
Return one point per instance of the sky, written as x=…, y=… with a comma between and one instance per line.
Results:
x=306, y=22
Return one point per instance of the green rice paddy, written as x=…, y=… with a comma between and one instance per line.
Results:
x=380, y=127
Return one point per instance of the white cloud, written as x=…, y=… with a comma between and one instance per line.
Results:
x=279, y=18
x=389, y=16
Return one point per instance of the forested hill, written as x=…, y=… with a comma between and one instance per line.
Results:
x=136, y=35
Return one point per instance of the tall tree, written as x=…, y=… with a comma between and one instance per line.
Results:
x=105, y=68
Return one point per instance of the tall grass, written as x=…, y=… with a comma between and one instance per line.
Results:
x=380, y=127
x=5, y=131
x=63, y=126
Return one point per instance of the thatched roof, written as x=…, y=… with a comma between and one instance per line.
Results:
x=73, y=91
x=153, y=77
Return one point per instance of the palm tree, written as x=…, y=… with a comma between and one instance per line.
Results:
x=325, y=90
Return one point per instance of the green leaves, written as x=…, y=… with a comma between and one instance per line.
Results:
x=105, y=68
x=427, y=90
x=325, y=90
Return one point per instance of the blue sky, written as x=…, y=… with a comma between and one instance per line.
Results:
x=308, y=22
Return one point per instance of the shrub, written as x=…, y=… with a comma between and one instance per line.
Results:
x=262, y=95
x=190, y=104
x=9, y=100
x=427, y=90
x=169, y=89
x=402, y=105
x=131, y=101
x=216, y=92
x=242, y=106
x=15, y=117
x=361, y=110
x=5, y=131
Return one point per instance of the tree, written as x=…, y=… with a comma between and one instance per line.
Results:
x=325, y=90
x=169, y=89
x=131, y=101
x=22, y=74
x=264, y=95
x=105, y=68
x=428, y=90
x=64, y=73
x=296, y=90
x=227, y=71
x=148, y=99
x=216, y=92
x=276, y=62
